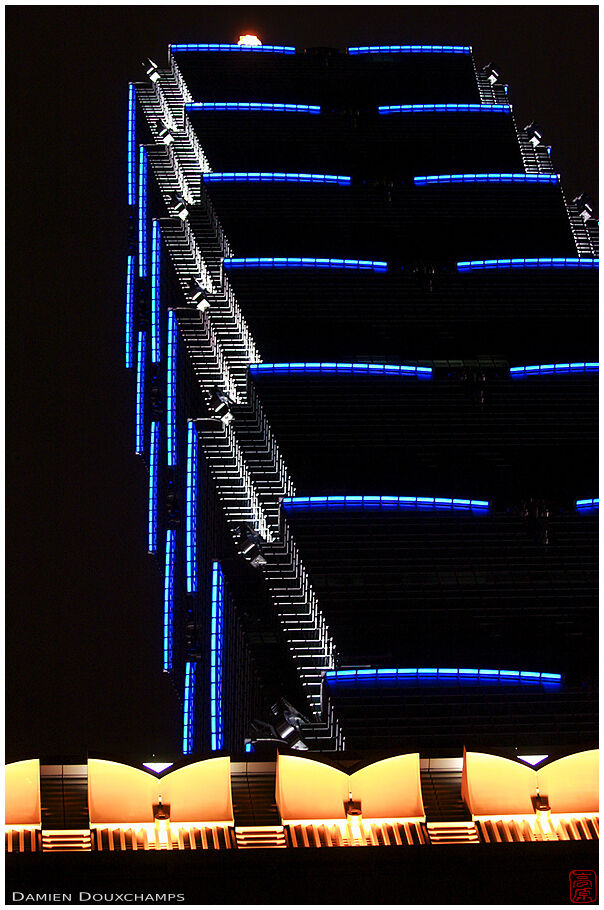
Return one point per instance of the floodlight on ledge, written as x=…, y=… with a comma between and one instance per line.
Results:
x=157, y=766
x=297, y=262
x=273, y=177
x=588, y=505
x=333, y=677
x=249, y=41
x=486, y=178
x=330, y=367
x=254, y=106
x=444, y=109
x=412, y=49
x=304, y=503
x=562, y=262
x=233, y=48
x=540, y=369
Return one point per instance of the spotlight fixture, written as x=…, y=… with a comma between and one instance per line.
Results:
x=584, y=208
x=220, y=406
x=152, y=70
x=196, y=293
x=164, y=132
x=491, y=73
x=287, y=722
x=249, y=41
x=248, y=540
x=177, y=202
x=533, y=134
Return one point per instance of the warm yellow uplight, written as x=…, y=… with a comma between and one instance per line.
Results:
x=250, y=41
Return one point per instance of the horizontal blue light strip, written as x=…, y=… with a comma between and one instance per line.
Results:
x=191, y=509
x=409, y=673
x=153, y=470
x=373, y=369
x=169, y=596
x=297, y=262
x=234, y=48
x=188, y=714
x=486, y=178
x=541, y=369
x=216, y=644
x=383, y=502
x=171, y=391
x=568, y=262
x=129, y=312
x=588, y=505
x=411, y=49
x=444, y=109
x=155, y=292
x=273, y=177
x=131, y=145
x=140, y=395
x=254, y=106
x=142, y=212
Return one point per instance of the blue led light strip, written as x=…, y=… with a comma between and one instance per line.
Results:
x=568, y=262
x=191, y=509
x=444, y=109
x=142, y=212
x=140, y=395
x=540, y=369
x=373, y=369
x=171, y=391
x=486, y=178
x=234, y=48
x=153, y=469
x=169, y=596
x=155, y=292
x=129, y=311
x=273, y=177
x=412, y=49
x=188, y=712
x=249, y=747
x=131, y=145
x=254, y=106
x=588, y=505
x=216, y=643
x=383, y=502
x=373, y=675
x=297, y=262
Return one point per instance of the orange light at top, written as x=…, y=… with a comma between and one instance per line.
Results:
x=250, y=40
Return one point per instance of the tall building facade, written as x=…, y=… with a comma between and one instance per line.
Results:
x=361, y=330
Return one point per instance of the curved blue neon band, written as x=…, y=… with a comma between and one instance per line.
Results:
x=412, y=49
x=377, y=675
x=297, y=262
x=444, y=109
x=234, y=48
x=433, y=179
x=588, y=505
x=383, y=502
x=568, y=262
x=541, y=369
x=388, y=369
x=254, y=106
x=273, y=177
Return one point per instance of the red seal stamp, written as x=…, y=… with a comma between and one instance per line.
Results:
x=583, y=886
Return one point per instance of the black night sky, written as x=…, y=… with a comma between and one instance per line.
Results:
x=83, y=636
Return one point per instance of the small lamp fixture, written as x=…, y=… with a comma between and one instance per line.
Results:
x=179, y=205
x=354, y=818
x=491, y=73
x=533, y=134
x=161, y=816
x=197, y=295
x=164, y=132
x=249, y=41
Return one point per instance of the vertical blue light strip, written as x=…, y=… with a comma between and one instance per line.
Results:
x=129, y=311
x=216, y=642
x=169, y=596
x=153, y=466
x=155, y=292
x=140, y=395
x=131, y=145
x=188, y=715
x=142, y=212
x=191, y=513
x=171, y=390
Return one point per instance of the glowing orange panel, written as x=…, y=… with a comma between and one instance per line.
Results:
x=22, y=793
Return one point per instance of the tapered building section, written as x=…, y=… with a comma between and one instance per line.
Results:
x=361, y=327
